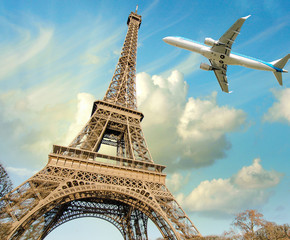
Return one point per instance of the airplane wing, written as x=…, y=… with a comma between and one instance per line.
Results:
x=226, y=41
x=220, y=71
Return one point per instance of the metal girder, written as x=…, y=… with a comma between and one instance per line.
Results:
x=122, y=89
x=116, y=128
x=124, y=189
x=60, y=194
x=129, y=221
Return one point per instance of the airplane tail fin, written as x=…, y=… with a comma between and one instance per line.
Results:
x=278, y=76
x=280, y=63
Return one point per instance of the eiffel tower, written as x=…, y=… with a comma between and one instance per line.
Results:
x=125, y=188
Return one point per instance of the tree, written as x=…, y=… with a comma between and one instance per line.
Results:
x=272, y=231
x=252, y=226
x=248, y=222
x=5, y=182
x=5, y=187
x=232, y=234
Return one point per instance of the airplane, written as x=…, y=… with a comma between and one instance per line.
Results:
x=220, y=55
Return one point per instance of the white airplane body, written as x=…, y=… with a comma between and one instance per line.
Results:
x=220, y=55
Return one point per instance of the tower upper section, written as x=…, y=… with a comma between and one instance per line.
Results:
x=122, y=89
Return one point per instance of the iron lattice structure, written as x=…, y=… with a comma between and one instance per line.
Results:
x=125, y=188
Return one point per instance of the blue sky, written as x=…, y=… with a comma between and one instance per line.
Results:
x=224, y=152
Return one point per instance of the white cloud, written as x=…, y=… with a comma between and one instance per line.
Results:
x=175, y=181
x=40, y=115
x=160, y=97
x=280, y=110
x=22, y=172
x=43, y=72
x=181, y=132
x=26, y=50
x=38, y=146
x=255, y=176
x=205, y=120
x=84, y=109
x=247, y=189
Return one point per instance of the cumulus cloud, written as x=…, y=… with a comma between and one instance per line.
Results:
x=84, y=108
x=246, y=189
x=204, y=119
x=280, y=110
x=255, y=176
x=181, y=132
x=175, y=181
x=37, y=117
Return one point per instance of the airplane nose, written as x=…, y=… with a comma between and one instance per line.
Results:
x=167, y=39
x=171, y=41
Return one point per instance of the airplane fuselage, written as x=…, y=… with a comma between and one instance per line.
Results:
x=231, y=59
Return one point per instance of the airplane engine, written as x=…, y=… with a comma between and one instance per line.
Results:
x=206, y=67
x=210, y=41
